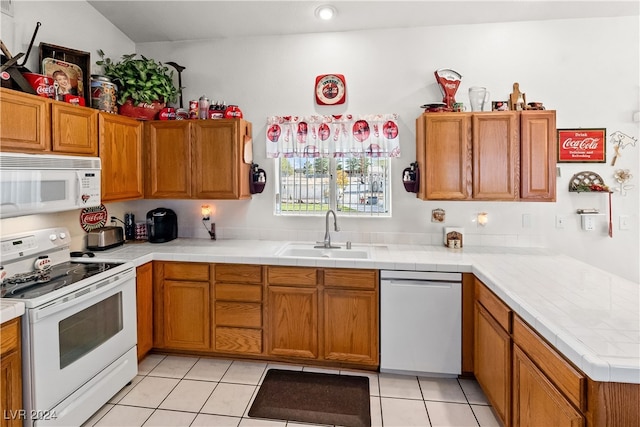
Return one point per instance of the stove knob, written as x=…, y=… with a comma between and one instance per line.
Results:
x=53, y=237
x=63, y=235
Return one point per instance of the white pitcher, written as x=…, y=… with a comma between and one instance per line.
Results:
x=478, y=96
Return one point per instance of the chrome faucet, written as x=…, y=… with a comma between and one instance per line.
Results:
x=327, y=236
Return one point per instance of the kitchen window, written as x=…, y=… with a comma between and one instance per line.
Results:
x=354, y=186
x=333, y=162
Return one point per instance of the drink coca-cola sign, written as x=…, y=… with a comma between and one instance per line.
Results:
x=582, y=145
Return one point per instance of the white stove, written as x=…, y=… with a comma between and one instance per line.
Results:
x=78, y=330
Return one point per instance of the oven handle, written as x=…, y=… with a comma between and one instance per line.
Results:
x=87, y=293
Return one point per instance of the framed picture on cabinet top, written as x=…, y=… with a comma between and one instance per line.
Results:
x=582, y=145
x=69, y=68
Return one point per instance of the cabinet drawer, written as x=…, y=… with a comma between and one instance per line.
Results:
x=238, y=340
x=237, y=292
x=499, y=310
x=186, y=271
x=238, y=273
x=292, y=276
x=10, y=336
x=347, y=278
x=564, y=376
x=243, y=314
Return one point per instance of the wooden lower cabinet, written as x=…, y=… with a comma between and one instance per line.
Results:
x=328, y=315
x=182, y=306
x=10, y=374
x=530, y=384
x=238, y=314
x=536, y=401
x=293, y=322
x=492, y=362
x=144, y=304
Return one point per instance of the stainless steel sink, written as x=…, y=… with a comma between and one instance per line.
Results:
x=308, y=251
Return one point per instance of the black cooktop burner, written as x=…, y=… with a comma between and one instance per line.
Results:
x=38, y=283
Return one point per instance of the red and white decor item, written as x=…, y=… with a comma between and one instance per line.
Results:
x=375, y=135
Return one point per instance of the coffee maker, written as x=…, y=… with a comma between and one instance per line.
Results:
x=162, y=225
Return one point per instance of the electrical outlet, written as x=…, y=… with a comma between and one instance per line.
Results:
x=526, y=220
x=560, y=221
x=624, y=222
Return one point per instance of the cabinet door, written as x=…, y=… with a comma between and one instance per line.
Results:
x=293, y=322
x=10, y=374
x=492, y=362
x=187, y=315
x=496, y=159
x=26, y=122
x=444, y=156
x=120, y=141
x=538, y=155
x=74, y=129
x=168, y=160
x=536, y=402
x=351, y=326
x=219, y=171
x=144, y=303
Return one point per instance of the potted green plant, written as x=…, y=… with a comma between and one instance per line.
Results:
x=145, y=86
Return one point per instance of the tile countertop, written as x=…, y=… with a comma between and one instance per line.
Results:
x=589, y=315
x=10, y=310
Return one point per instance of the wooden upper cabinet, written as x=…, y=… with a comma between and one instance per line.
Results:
x=538, y=145
x=498, y=155
x=26, y=122
x=201, y=159
x=74, y=129
x=444, y=156
x=120, y=142
x=168, y=160
x=495, y=147
x=219, y=171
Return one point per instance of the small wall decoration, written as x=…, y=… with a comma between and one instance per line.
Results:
x=623, y=176
x=620, y=140
x=582, y=145
x=331, y=89
x=438, y=215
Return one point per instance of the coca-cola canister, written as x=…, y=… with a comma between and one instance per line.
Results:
x=182, y=114
x=104, y=94
x=168, y=113
x=203, y=107
x=232, y=112
x=43, y=85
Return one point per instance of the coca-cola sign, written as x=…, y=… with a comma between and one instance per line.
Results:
x=582, y=145
x=93, y=218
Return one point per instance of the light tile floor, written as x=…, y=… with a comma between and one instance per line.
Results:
x=204, y=392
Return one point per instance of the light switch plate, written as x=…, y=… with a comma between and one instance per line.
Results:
x=624, y=222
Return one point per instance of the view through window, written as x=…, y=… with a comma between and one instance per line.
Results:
x=354, y=186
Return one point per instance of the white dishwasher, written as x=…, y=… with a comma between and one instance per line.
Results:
x=421, y=322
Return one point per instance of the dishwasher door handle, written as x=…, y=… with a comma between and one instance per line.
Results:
x=419, y=283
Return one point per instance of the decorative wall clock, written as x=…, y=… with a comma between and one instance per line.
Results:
x=331, y=89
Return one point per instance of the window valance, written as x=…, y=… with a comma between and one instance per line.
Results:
x=346, y=135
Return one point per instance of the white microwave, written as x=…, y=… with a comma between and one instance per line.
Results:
x=39, y=183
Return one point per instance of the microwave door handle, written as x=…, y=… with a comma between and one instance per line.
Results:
x=78, y=188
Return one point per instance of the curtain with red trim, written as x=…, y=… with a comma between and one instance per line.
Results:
x=346, y=135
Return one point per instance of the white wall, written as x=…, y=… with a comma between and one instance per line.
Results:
x=587, y=70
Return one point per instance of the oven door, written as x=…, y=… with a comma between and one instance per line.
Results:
x=72, y=339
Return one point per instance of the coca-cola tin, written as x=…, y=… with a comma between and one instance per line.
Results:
x=103, y=94
x=168, y=113
x=233, y=112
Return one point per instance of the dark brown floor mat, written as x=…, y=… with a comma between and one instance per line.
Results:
x=313, y=397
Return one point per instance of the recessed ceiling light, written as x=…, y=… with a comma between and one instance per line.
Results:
x=326, y=12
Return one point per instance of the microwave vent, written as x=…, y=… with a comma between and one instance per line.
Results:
x=44, y=161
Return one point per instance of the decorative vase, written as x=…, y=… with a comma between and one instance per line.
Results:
x=142, y=111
